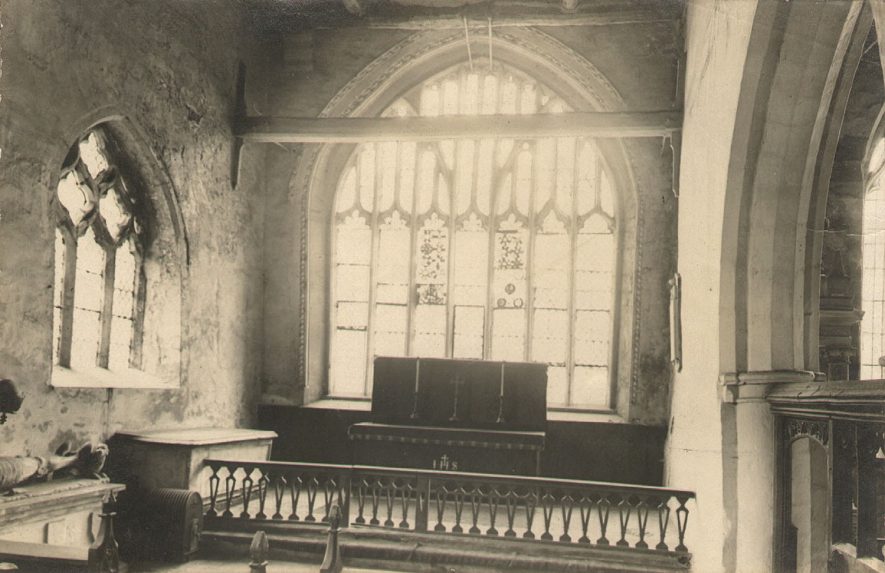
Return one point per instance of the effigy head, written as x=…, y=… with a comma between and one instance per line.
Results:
x=10, y=399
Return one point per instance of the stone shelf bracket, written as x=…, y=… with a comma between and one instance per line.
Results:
x=754, y=386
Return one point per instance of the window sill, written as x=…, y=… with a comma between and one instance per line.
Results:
x=357, y=404
x=584, y=417
x=102, y=378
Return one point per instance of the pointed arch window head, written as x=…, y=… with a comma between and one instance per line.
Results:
x=490, y=248
x=98, y=261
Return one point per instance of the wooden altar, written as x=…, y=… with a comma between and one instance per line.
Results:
x=458, y=415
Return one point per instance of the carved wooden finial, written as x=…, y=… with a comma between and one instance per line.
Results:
x=354, y=7
x=258, y=552
x=332, y=559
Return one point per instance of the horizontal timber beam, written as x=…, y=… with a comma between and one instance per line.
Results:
x=364, y=129
x=545, y=21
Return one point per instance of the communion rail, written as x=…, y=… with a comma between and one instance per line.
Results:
x=559, y=511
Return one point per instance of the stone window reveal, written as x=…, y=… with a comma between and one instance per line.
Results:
x=490, y=248
x=99, y=281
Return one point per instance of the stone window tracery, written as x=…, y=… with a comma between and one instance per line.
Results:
x=98, y=261
x=490, y=248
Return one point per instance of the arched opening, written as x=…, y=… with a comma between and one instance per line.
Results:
x=582, y=189
x=119, y=267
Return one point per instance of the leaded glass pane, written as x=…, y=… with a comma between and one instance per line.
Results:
x=75, y=197
x=125, y=276
x=348, y=375
x=366, y=182
x=469, y=331
x=471, y=267
x=387, y=165
x=430, y=330
x=508, y=334
x=88, y=301
x=557, y=386
x=92, y=155
x=390, y=324
x=591, y=387
x=115, y=215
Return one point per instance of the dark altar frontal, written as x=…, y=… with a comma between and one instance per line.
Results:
x=455, y=415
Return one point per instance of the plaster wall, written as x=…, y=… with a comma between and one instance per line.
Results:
x=168, y=69
x=717, y=40
x=314, y=65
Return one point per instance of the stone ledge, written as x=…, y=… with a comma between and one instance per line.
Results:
x=754, y=386
x=44, y=500
x=196, y=436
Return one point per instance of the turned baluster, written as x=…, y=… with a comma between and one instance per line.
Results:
x=312, y=488
x=547, y=509
x=663, y=523
x=681, y=521
x=475, y=501
x=494, y=499
x=510, y=501
x=642, y=517
x=586, y=509
x=566, y=506
x=624, y=510
x=603, y=509
x=531, y=505
x=214, y=484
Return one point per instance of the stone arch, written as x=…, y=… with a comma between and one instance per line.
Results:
x=795, y=57
x=405, y=65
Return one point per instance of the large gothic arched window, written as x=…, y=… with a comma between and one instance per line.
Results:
x=494, y=248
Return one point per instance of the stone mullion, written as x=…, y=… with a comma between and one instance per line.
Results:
x=530, y=252
x=575, y=226
x=135, y=349
x=413, y=259
x=67, y=303
x=107, y=309
x=373, y=268
x=450, y=261
x=490, y=262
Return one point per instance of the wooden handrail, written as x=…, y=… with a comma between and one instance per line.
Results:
x=217, y=463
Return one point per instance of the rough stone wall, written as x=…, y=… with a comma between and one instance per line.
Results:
x=315, y=65
x=170, y=68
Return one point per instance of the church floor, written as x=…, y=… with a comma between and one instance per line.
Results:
x=217, y=566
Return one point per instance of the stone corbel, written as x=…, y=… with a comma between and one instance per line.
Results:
x=754, y=386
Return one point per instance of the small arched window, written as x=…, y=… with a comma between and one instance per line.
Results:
x=487, y=248
x=99, y=281
x=872, y=326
